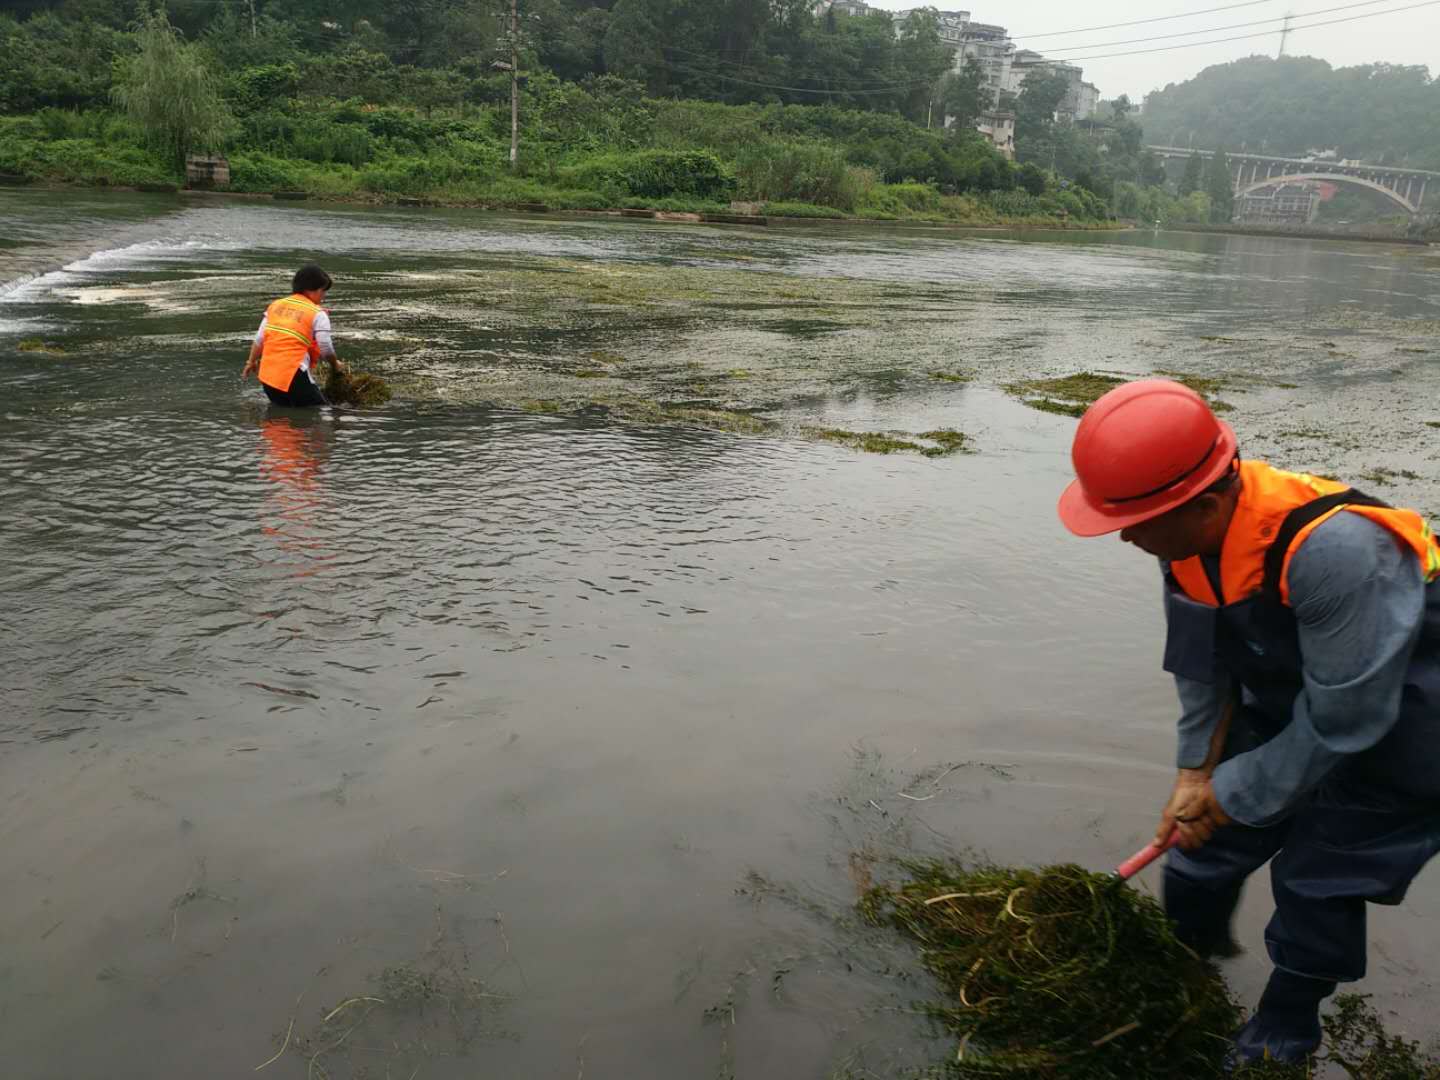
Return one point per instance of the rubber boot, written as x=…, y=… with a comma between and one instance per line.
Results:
x=1286, y=1025
x=1202, y=916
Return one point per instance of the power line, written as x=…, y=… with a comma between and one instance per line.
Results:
x=1263, y=33
x=1139, y=22
x=897, y=87
x=1217, y=29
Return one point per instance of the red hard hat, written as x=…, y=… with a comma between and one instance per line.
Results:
x=1142, y=449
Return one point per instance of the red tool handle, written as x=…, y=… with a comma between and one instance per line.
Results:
x=1145, y=856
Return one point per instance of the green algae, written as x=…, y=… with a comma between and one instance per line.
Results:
x=872, y=442
x=949, y=376
x=1068, y=395
x=946, y=441
x=44, y=348
x=1071, y=395
x=352, y=388
x=1057, y=973
x=1387, y=476
x=1064, y=974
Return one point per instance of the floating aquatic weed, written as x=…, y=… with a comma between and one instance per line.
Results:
x=44, y=348
x=1065, y=974
x=1068, y=395
x=946, y=440
x=406, y=1015
x=1386, y=476
x=1071, y=395
x=350, y=388
x=1058, y=973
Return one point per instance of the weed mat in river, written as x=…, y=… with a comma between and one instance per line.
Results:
x=1063, y=973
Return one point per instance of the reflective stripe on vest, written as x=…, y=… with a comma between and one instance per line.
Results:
x=1267, y=495
x=289, y=339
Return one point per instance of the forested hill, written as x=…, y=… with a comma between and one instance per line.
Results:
x=732, y=51
x=677, y=105
x=1384, y=113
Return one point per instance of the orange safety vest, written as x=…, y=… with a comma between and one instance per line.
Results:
x=289, y=339
x=1267, y=495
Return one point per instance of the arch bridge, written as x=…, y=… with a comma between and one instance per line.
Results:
x=1406, y=188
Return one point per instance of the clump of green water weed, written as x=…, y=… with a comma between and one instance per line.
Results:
x=351, y=388
x=45, y=348
x=1071, y=395
x=946, y=440
x=1058, y=973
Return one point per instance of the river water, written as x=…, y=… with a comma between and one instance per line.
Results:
x=543, y=744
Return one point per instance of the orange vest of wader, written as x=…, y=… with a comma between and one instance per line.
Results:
x=289, y=339
x=1267, y=495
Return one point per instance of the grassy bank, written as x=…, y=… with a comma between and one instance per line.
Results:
x=602, y=146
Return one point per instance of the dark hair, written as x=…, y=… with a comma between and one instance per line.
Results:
x=1225, y=482
x=310, y=277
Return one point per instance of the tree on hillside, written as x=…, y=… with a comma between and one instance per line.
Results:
x=168, y=89
x=1120, y=107
x=1040, y=96
x=922, y=59
x=1194, y=171
x=964, y=97
x=632, y=44
x=1288, y=106
x=1220, y=188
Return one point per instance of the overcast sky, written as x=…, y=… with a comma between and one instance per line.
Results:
x=1405, y=37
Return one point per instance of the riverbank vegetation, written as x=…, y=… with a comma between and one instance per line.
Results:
x=378, y=108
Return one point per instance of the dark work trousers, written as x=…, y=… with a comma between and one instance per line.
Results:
x=302, y=394
x=1348, y=844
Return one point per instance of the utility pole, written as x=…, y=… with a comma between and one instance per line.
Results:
x=513, y=66
x=514, y=84
x=1284, y=33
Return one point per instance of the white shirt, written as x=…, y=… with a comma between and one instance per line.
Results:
x=321, y=329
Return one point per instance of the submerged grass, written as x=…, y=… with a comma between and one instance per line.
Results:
x=36, y=345
x=1058, y=973
x=945, y=441
x=1071, y=395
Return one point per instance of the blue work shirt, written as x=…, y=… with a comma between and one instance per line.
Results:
x=1359, y=601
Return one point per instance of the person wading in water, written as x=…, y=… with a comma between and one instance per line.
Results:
x=293, y=335
x=1304, y=617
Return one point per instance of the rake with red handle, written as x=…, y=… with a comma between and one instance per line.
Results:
x=1145, y=856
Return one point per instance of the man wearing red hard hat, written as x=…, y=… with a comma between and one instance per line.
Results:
x=1303, y=632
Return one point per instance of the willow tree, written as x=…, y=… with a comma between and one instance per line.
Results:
x=169, y=89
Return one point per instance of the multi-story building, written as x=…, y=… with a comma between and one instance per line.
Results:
x=1003, y=69
x=1077, y=102
x=998, y=126
x=989, y=48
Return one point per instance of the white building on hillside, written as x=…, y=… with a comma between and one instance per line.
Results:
x=1080, y=97
x=998, y=126
x=989, y=48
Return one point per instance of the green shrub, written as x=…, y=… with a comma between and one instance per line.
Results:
x=799, y=210
x=654, y=174
x=321, y=141
x=681, y=206
x=81, y=161
x=258, y=171
x=797, y=170
x=1032, y=178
